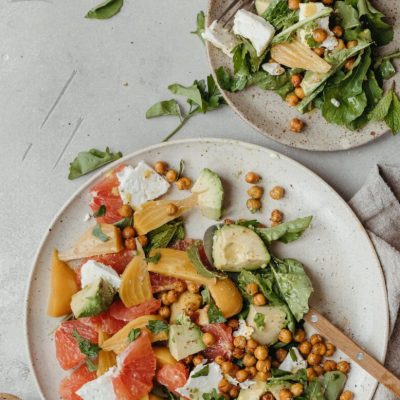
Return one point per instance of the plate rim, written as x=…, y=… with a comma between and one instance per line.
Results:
x=221, y=141
x=226, y=95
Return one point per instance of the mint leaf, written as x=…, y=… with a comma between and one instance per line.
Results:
x=166, y=107
x=105, y=10
x=392, y=118
x=100, y=212
x=86, y=347
x=124, y=222
x=154, y=259
x=91, y=366
x=259, y=320
x=97, y=232
x=382, y=108
x=200, y=25
x=133, y=334
x=165, y=234
x=157, y=326
x=194, y=257
x=214, y=314
x=88, y=161
x=203, y=372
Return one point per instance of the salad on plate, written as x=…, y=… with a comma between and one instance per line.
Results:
x=149, y=313
x=316, y=55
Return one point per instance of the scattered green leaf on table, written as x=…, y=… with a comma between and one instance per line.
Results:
x=200, y=25
x=166, y=107
x=105, y=10
x=392, y=118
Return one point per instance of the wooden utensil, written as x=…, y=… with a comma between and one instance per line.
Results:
x=353, y=351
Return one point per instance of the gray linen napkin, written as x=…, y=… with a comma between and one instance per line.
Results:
x=377, y=204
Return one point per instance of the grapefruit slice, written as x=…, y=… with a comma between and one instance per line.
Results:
x=224, y=341
x=67, y=349
x=136, y=369
x=104, y=322
x=159, y=282
x=75, y=381
x=173, y=376
x=120, y=312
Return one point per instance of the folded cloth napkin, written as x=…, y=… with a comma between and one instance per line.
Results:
x=377, y=204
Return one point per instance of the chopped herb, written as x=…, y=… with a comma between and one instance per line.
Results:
x=86, y=347
x=124, y=222
x=92, y=367
x=203, y=372
x=105, y=10
x=134, y=334
x=293, y=355
x=205, y=294
x=154, y=259
x=165, y=234
x=100, y=212
x=259, y=320
x=194, y=257
x=97, y=232
x=181, y=168
x=215, y=315
x=157, y=326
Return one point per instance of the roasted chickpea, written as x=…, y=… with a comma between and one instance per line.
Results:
x=294, y=4
x=143, y=240
x=351, y=44
x=262, y=376
x=347, y=395
x=252, y=371
x=296, y=389
x=318, y=370
x=233, y=323
x=188, y=359
x=299, y=92
x=316, y=338
x=305, y=348
x=219, y=360
x=171, y=175
x=180, y=286
x=319, y=348
x=242, y=375
x=311, y=374
x=183, y=183
x=125, y=211
x=319, y=51
x=285, y=394
x=285, y=336
x=340, y=45
x=292, y=99
x=327, y=2
x=255, y=192
x=172, y=296
x=161, y=167
x=164, y=312
x=259, y=300
x=234, y=392
x=252, y=177
x=319, y=35
x=251, y=345
x=192, y=307
x=172, y=209
x=277, y=192
x=296, y=80
x=338, y=31
x=128, y=232
x=296, y=125
x=267, y=396
x=130, y=244
x=253, y=205
x=348, y=66
x=193, y=287
x=249, y=360
x=275, y=364
x=164, y=299
x=280, y=355
x=238, y=353
x=313, y=359
x=224, y=386
x=226, y=367
x=239, y=342
x=198, y=359
x=343, y=366
x=276, y=216
x=263, y=365
x=330, y=350
x=329, y=365
x=261, y=352
x=228, y=221
x=252, y=289
x=208, y=339
x=299, y=336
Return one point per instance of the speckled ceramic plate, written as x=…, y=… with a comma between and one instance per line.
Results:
x=348, y=280
x=269, y=114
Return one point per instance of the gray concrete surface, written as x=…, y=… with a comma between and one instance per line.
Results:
x=68, y=84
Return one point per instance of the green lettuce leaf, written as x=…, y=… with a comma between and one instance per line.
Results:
x=314, y=390
x=384, y=66
x=382, y=108
x=347, y=14
x=392, y=118
x=280, y=15
x=333, y=383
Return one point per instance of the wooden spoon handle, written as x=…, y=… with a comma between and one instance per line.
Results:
x=353, y=351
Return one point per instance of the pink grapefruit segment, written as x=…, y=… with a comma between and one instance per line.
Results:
x=122, y=313
x=75, y=381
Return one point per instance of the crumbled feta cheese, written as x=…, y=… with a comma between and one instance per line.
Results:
x=140, y=184
x=243, y=385
x=86, y=217
x=273, y=68
x=335, y=102
x=254, y=28
x=244, y=330
x=291, y=365
x=220, y=37
x=92, y=270
x=194, y=388
x=98, y=389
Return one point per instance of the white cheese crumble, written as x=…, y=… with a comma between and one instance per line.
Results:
x=194, y=388
x=220, y=37
x=243, y=385
x=254, y=28
x=141, y=184
x=273, y=68
x=98, y=389
x=86, y=217
x=290, y=365
x=92, y=270
x=243, y=330
x=335, y=102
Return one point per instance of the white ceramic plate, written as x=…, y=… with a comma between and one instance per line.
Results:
x=269, y=114
x=348, y=281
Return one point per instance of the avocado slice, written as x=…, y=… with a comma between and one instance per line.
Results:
x=93, y=299
x=253, y=392
x=184, y=340
x=237, y=247
x=274, y=321
x=208, y=187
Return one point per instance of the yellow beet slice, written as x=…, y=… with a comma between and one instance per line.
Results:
x=107, y=359
x=63, y=287
x=227, y=297
x=119, y=341
x=176, y=263
x=297, y=55
x=163, y=356
x=153, y=214
x=89, y=245
x=135, y=282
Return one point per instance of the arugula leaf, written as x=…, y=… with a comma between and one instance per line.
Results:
x=284, y=376
x=133, y=334
x=334, y=382
x=105, y=10
x=286, y=232
x=154, y=259
x=157, y=326
x=215, y=315
x=382, y=108
x=200, y=25
x=165, y=234
x=203, y=372
x=280, y=15
x=392, y=118
x=100, y=212
x=166, y=107
x=97, y=232
x=194, y=257
x=124, y=222
x=259, y=320
x=347, y=14
x=191, y=92
x=88, y=161
x=86, y=347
